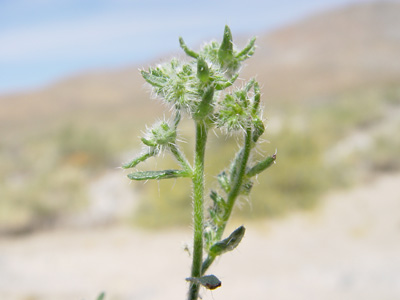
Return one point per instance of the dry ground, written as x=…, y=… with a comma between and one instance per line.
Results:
x=348, y=249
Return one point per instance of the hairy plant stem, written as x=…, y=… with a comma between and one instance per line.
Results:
x=198, y=88
x=198, y=207
x=180, y=157
x=234, y=193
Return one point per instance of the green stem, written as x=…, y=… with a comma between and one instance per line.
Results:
x=198, y=207
x=233, y=194
x=138, y=160
x=181, y=158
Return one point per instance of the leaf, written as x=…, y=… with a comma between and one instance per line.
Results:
x=234, y=168
x=148, y=142
x=259, y=129
x=261, y=166
x=249, y=85
x=210, y=282
x=185, y=48
x=223, y=181
x=257, y=97
x=154, y=80
x=137, y=160
x=248, y=50
x=224, y=85
x=229, y=243
x=101, y=296
x=218, y=200
x=164, y=174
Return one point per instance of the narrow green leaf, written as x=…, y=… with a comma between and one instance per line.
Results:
x=137, y=160
x=248, y=50
x=156, y=81
x=234, y=169
x=228, y=244
x=223, y=181
x=230, y=82
x=210, y=282
x=218, y=200
x=185, y=48
x=177, y=119
x=261, y=166
x=101, y=296
x=164, y=174
x=148, y=142
x=257, y=97
x=249, y=85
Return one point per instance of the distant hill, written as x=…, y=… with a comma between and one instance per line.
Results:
x=335, y=51
x=87, y=95
x=331, y=52
x=331, y=84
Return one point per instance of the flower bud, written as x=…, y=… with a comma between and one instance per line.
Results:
x=162, y=135
x=225, y=52
x=203, y=72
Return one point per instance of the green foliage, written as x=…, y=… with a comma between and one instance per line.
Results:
x=228, y=244
x=164, y=174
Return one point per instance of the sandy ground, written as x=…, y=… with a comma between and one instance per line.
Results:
x=349, y=248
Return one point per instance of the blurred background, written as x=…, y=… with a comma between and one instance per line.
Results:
x=324, y=222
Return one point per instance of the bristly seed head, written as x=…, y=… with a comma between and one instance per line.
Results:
x=213, y=68
x=239, y=110
x=159, y=137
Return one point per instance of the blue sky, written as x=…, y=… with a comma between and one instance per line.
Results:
x=42, y=41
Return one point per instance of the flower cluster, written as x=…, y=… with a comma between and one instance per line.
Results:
x=195, y=86
x=175, y=82
x=240, y=111
x=160, y=136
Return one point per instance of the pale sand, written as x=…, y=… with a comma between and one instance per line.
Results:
x=348, y=249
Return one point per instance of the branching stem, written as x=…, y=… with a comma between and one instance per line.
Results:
x=234, y=193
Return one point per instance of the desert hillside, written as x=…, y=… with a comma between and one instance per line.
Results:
x=326, y=54
x=331, y=88
x=333, y=52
